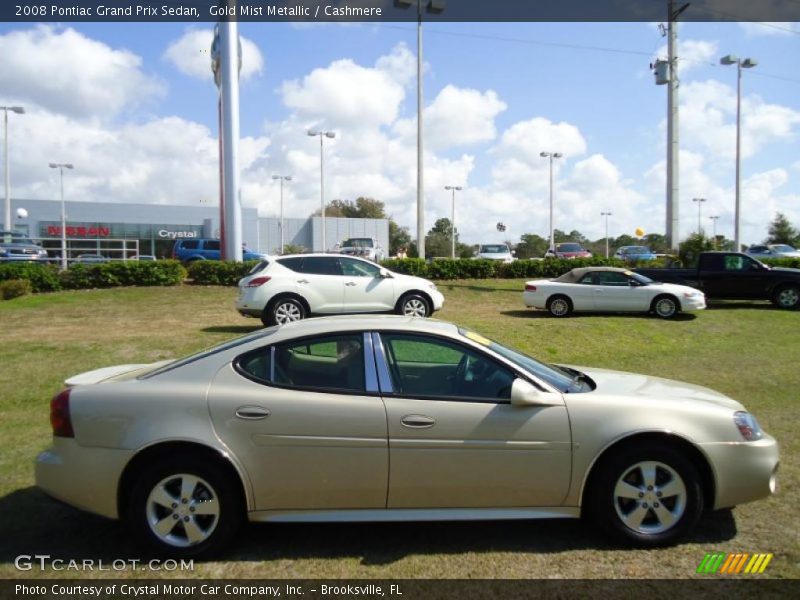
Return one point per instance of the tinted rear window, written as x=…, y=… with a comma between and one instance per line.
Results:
x=212, y=244
x=189, y=244
x=321, y=265
x=295, y=263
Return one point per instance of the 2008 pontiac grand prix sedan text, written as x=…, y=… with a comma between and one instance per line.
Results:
x=302, y=423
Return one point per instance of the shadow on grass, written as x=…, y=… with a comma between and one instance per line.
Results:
x=241, y=329
x=543, y=314
x=476, y=288
x=44, y=526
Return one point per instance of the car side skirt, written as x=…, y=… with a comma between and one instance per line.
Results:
x=413, y=514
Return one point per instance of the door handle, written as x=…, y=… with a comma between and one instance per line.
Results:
x=351, y=283
x=418, y=421
x=252, y=413
x=302, y=281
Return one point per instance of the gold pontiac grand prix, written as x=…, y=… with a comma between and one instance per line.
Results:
x=394, y=419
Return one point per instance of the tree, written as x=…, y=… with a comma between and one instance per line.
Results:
x=691, y=248
x=399, y=237
x=531, y=245
x=781, y=231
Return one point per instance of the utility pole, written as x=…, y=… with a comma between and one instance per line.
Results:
x=714, y=221
x=606, y=215
x=673, y=147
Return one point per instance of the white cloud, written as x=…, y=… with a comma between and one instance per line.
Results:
x=692, y=54
x=190, y=54
x=766, y=28
x=526, y=139
x=64, y=71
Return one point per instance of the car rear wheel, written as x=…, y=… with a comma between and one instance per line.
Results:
x=184, y=508
x=647, y=495
x=285, y=310
x=787, y=297
x=665, y=307
x=559, y=306
x=414, y=305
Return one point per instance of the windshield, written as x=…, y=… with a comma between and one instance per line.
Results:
x=638, y=277
x=358, y=243
x=782, y=248
x=569, y=248
x=565, y=380
x=636, y=250
x=16, y=238
x=495, y=249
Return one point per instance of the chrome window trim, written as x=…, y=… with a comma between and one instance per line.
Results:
x=384, y=378
x=370, y=373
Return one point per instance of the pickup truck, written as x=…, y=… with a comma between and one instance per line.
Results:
x=735, y=276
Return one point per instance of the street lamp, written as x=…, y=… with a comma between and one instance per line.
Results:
x=744, y=63
x=699, y=213
x=20, y=111
x=453, y=189
x=551, y=156
x=606, y=215
x=322, y=135
x=61, y=167
x=282, y=179
x=714, y=219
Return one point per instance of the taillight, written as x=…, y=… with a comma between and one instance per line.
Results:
x=530, y=288
x=60, y=419
x=257, y=281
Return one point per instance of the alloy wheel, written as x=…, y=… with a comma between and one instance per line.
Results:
x=650, y=497
x=182, y=510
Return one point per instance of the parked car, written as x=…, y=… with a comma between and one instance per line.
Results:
x=91, y=259
x=293, y=287
x=500, y=252
x=192, y=249
x=634, y=253
x=363, y=247
x=568, y=250
x=773, y=251
x=302, y=423
x=16, y=246
x=146, y=257
x=608, y=289
x=735, y=276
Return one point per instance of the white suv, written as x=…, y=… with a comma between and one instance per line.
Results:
x=290, y=288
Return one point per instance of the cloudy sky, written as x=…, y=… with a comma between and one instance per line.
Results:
x=133, y=106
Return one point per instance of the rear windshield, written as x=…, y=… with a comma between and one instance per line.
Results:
x=358, y=243
x=495, y=249
x=569, y=248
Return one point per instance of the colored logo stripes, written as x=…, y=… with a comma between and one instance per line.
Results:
x=733, y=564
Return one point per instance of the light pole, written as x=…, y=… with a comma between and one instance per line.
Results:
x=699, y=213
x=322, y=135
x=744, y=63
x=551, y=156
x=282, y=179
x=453, y=189
x=20, y=111
x=714, y=219
x=61, y=167
x=606, y=215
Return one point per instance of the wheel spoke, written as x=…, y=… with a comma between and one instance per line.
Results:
x=207, y=507
x=193, y=533
x=165, y=526
x=162, y=497
x=648, y=470
x=634, y=518
x=188, y=485
x=664, y=516
x=626, y=490
x=674, y=487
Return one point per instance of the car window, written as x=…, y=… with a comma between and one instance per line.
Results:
x=190, y=244
x=321, y=265
x=432, y=367
x=569, y=247
x=295, y=263
x=357, y=268
x=611, y=278
x=739, y=263
x=588, y=279
x=212, y=245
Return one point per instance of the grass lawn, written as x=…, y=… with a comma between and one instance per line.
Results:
x=748, y=351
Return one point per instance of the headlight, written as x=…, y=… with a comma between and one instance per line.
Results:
x=432, y=285
x=748, y=426
x=692, y=294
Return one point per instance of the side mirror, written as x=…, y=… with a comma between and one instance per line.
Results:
x=384, y=274
x=524, y=394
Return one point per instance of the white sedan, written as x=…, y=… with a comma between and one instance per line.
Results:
x=608, y=289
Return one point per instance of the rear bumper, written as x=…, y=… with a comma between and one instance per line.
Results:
x=86, y=478
x=743, y=471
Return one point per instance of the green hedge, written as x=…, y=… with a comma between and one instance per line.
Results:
x=216, y=272
x=47, y=278
x=14, y=288
x=483, y=269
x=791, y=263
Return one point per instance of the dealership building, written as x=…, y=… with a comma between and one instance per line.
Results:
x=127, y=229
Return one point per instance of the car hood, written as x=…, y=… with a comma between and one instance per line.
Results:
x=620, y=383
x=787, y=270
x=494, y=255
x=116, y=373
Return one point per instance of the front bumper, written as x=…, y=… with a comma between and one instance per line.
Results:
x=438, y=300
x=692, y=304
x=743, y=471
x=83, y=477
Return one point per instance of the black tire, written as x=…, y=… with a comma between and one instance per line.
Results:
x=665, y=307
x=621, y=494
x=205, y=519
x=414, y=305
x=787, y=297
x=284, y=310
x=559, y=306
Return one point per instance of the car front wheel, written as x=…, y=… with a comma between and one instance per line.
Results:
x=414, y=305
x=184, y=508
x=787, y=297
x=665, y=307
x=648, y=495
